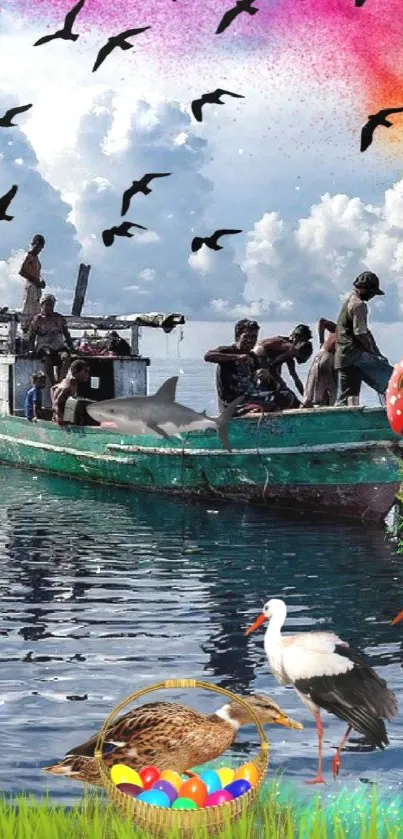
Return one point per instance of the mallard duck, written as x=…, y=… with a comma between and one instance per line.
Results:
x=168, y=736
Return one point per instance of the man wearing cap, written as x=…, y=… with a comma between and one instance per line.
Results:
x=49, y=338
x=357, y=357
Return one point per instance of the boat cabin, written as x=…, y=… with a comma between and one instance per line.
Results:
x=112, y=375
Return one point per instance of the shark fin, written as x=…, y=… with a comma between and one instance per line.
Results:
x=223, y=419
x=158, y=430
x=167, y=391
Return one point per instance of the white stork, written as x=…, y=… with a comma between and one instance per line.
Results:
x=327, y=673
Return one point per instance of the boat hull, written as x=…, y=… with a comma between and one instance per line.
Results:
x=341, y=462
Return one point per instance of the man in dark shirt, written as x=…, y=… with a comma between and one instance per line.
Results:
x=357, y=357
x=238, y=373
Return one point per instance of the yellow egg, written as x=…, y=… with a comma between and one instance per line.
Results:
x=121, y=774
x=172, y=777
x=247, y=771
x=226, y=775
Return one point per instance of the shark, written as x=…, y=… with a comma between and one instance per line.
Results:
x=160, y=414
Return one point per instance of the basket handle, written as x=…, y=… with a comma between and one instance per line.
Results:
x=179, y=683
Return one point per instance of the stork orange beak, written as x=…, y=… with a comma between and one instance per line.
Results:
x=398, y=618
x=258, y=622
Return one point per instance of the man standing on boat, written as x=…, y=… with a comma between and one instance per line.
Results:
x=357, y=357
x=321, y=383
x=50, y=339
x=31, y=272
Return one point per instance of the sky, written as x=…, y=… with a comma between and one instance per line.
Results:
x=283, y=164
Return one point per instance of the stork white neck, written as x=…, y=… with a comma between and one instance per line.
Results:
x=277, y=613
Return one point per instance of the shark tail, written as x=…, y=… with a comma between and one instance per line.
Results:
x=223, y=420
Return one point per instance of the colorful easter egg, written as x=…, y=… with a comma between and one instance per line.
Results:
x=239, y=787
x=248, y=772
x=212, y=781
x=155, y=797
x=149, y=775
x=226, y=775
x=166, y=787
x=394, y=399
x=184, y=804
x=194, y=789
x=216, y=799
x=172, y=777
x=130, y=789
x=121, y=774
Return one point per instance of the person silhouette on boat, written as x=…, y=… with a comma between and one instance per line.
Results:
x=321, y=383
x=272, y=353
x=357, y=357
x=31, y=272
x=50, y=339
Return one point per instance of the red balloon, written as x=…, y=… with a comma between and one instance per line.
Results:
x=149, y=775
x=394, y=399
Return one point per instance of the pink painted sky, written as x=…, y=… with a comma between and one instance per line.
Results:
x=359, y=50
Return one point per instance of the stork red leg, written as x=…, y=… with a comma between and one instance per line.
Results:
x=336, y=759
x=319, y=728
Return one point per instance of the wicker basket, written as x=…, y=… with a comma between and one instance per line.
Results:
x=158, y=821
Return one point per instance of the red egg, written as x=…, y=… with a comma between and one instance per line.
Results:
x=216, y=799
x=394, y=399
x=195, y=790
x=149, y=775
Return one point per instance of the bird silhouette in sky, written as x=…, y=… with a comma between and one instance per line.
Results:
x=5, y=201
x=229, y=17
x=108, y=236
x=6, y=120
x=66, y=33
x=211, y=241
x=373, y=121
x=117, y=41
x=212, y=99
x=140, y=186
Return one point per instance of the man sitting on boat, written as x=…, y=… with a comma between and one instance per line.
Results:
x=357, y=357
x=321, y=383
x=60, y=393
x=237, y=371
x=50, y=339
x=272, y=353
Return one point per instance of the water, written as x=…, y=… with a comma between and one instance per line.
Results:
x=104, y=592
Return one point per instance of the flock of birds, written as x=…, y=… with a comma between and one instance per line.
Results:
x=120, y=41
x=324, y=670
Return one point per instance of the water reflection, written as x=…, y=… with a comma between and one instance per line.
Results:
x=104, y=591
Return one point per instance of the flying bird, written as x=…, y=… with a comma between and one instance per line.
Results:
x=211, y=98
x=373, y=121
x=211, y=241
x=66, y=33
x=327, y=673
x=229, y=17
x=108, y=236
x=117, y=41
x=140, y=186
x=5, y=200
x=6, y=120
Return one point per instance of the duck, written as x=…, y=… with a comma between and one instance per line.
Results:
x=169, y=736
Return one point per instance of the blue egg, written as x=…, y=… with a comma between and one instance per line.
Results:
x=239, y=787
x=155, y=797
x=211, y=780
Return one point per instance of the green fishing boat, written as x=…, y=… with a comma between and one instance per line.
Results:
x=337, y=461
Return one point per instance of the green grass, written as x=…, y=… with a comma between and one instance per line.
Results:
x=278, y=815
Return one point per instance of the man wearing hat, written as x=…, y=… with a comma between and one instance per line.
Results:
x=357, y=357
x=49, y=338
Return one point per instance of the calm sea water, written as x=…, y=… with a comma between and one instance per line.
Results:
x=104, y=592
